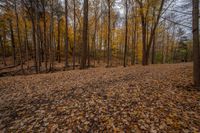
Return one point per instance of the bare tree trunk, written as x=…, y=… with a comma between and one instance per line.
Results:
x=58, y=46
x=196, y=46
x=85, y=36
x=88, y=50
x=3, y=51
x=45, y=38
x=134, y=38
x=153, y=50
x=74, y=47
x=34, y=43
x=37, y=36
x=126, y=34
x=26, y=42
x=12, y=42
x=51, y=40
x=109, y=32
x=94, y=35
x=18, y=35
x=66, y=34
x=144, y=44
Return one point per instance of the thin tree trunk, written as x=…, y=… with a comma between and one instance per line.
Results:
x=126, y=34
x=66, y=34
x=37, y=37
x=12, y=42
x=3, y=51
x=109, y=32
x=94, y=36
x=26, y=42
x=45, y=38
x=51, y=38
x=74, y=47
x=18, y=35
x=88, y=50
x=58, y=47
x=153, y=50
x=34, y=43
x=134, y=38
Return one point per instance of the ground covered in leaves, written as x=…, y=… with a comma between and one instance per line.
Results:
x=157, y=98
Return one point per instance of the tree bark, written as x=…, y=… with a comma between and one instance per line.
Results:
x=12, y=42
x=126, y=34
x=109, y=32
x=74, y=47
x=196, y=47
x=2, y=51
x=58, y=47
x=18, y=35
x=85, y=36
x=153, y=50
x=51, y=38
x=45, y=37
x=66, y=34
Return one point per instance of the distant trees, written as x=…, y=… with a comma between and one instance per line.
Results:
x=44, y=35
x=147, y=38
x=196, y=45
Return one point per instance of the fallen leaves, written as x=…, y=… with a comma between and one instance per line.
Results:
x=136, y=99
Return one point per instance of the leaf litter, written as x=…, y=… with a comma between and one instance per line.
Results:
x=157, y=98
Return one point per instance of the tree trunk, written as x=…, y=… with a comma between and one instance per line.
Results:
x=3, y=51
x=26, y=42
x=45, y=38
x=18, y=36
x=85, y=36
x=74, y=47
x=153, y=50
x=126, y=34
x=66, y=34
x=196, y=47
x=51, y=40
x=58, y=47
x=12, y=42
x=37, y=36
x=109, y=32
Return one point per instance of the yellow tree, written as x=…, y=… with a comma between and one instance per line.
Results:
x=145, y=7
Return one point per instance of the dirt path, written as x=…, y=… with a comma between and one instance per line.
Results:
x=153, y=99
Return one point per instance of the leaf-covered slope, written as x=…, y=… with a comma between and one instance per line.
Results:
x=157, y=98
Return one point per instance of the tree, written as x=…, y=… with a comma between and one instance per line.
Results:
x=144, y=12
x=84, y=35
x=74, y=47
x=109, y=32
x=12, y=41
x=3, y=51
x=59, y=15
x=196, y=46
x=66, y=34
x=18, y=34
x=126, y=33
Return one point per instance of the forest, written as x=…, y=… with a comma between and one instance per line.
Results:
x=99, y=66
x=41, y=35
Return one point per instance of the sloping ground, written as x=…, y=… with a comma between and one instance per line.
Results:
x=153, y=99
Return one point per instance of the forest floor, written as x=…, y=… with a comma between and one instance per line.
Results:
x=156, y=98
